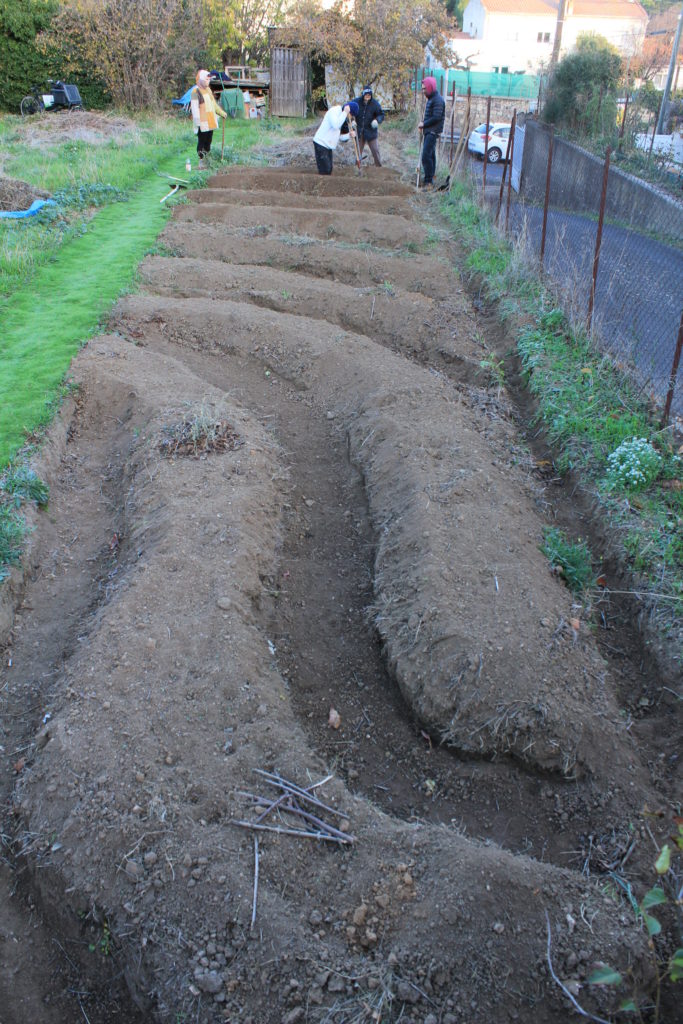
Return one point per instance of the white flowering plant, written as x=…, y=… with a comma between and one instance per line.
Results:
x=634, y=465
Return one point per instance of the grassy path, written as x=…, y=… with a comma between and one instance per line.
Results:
x=47, y=321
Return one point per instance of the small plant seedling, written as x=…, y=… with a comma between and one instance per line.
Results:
x=104, y=943
x=495, y=369
x=668, y=969
x=24, y=484
x=571, y=560
x=12, y=532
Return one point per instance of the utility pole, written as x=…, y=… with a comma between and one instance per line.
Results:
x=561, y=12
x=670, y=76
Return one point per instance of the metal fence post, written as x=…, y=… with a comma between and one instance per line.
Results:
x=488, y=122
x=598, y=237
x=511, y=148
x=674, y=374
x=505, y=165
x=623, y=122
x=654, y=130
x=547, y=190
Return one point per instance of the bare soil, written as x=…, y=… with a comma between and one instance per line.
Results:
x=294, y=528
x=373, y=204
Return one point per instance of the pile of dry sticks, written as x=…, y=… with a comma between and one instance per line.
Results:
x=294, y=805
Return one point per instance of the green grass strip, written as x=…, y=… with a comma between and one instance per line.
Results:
x=45, y=324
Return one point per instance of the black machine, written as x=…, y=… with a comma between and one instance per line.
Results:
x=57, y=96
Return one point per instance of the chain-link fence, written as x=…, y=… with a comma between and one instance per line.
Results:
x=611, y=244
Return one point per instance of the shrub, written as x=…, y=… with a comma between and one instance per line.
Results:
x=634, y=465
x=23, y=65
x=583, y=81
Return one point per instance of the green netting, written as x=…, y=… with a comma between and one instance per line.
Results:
x=482, y=83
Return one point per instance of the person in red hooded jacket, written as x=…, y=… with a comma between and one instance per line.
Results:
x=431, y=126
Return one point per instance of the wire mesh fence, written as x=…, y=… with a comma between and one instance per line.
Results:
x=611, y=245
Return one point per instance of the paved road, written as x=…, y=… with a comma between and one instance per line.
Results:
x=494, y=172
x=639, y=294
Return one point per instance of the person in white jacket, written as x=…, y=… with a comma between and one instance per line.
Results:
x=327, y=136
x=205, y=114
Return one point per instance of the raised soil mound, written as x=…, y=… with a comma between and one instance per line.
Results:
x=378, y=181
x=282, y=495
x=485, y=679
x=346, y=226
x=358, y=266
x=170, y=707
x=260, y=197
x=438, y=332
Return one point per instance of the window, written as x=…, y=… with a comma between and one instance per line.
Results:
x=539, y=37
x=505, y=70
x=546, y=37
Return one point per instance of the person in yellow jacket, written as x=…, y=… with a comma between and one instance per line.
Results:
x=205, y=114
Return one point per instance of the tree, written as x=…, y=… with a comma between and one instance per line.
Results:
x=373, y=42
x=20, y=59
x=456, y=8
x=583, y=87
x=237, y=30
x=149, y=50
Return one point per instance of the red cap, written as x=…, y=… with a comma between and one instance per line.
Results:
x=429, y=85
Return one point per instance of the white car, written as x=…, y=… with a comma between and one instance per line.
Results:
x=495, y=146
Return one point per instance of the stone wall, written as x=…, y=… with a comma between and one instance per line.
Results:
x=502, y=109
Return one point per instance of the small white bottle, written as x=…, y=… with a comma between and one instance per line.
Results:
x=188, y=165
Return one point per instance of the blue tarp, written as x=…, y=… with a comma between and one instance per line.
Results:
x=184, y=100
x=33, y=209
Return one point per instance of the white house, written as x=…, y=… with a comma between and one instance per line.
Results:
x=518, y=35
x=513, y=35
x=621, y=22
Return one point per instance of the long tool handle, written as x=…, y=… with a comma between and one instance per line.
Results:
x=355, y=142
x=419, y=146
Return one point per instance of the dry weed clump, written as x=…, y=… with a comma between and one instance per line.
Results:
x=18, y=195
x=199, y=435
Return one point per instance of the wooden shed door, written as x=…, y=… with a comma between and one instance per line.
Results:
x=288, y=82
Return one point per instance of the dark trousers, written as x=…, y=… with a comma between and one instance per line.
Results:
x=429, y=157
x=374, y=149
x=204, y=142
x=323, y=158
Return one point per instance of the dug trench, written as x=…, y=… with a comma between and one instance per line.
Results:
x=318, y=506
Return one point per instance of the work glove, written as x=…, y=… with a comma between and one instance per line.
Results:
x=204, y=125
x=374, y=124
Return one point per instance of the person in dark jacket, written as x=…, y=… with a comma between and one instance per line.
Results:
x=369, y=118
x=432, y=127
